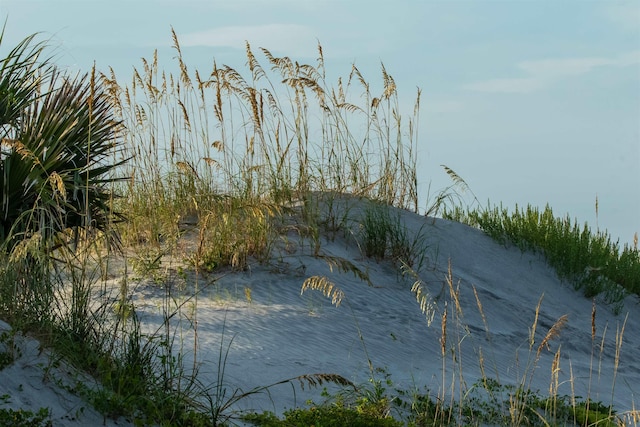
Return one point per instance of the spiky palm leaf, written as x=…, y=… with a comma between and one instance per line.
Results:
x=21, y=73
x=59, y=135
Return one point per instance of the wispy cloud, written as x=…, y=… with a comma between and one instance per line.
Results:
x=552, y=68
x=521, y=85
x=293, y=39
x=574, y=66
x=540, y=73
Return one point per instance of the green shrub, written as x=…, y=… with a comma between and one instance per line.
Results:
x=24, y=418
x=322, y=416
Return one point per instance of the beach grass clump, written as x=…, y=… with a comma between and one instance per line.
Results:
x=590, y=260
x=261, y=134
x=233, y=232
x=383, y=235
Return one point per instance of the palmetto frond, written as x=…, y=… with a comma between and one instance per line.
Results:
x=58, y=140
x=21, y=74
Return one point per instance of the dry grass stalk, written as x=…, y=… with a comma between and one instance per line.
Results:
x=483, y=374
x=27, y=246
x=455, y=293
x=345, y=266
x=324, y=285
x=553, y=333
x=572, y=383
x=57, y=185
x=480, y=309
x=314, y=380
x=616, y=360
x=426, y=302
x=443, y=334
x=532, y=331
x=593, y=320
x=555, y=374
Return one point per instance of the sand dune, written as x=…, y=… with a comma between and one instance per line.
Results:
x=281, y=333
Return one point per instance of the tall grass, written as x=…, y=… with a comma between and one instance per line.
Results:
x=270, y=134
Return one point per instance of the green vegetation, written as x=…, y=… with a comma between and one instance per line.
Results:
x=58, y=135
x=482, y=406
x=328, y=415
x=22, y=418
x=214, y=171
x=384, y=236
x=590, y=260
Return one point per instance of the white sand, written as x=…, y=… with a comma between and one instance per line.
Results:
x=282, y=334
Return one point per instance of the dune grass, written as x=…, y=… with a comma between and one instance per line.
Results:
x=590, y=260
x=212, y=172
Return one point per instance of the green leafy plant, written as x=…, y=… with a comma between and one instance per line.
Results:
x=59, y=136
x=323, y=415
x=25, y=418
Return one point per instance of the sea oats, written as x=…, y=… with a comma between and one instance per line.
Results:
x=553, y=333
x=57, y=185
x=324, y=285
x=532, y=330
x=443, y=332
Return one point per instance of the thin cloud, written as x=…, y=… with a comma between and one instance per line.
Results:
x=562, y=67
x=290, y=38
x=543, y=72
x=523, y=85
x=575, y=66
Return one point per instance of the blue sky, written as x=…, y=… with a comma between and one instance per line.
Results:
x=529, y=101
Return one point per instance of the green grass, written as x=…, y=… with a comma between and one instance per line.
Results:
x=384, y=236
x=590, y=260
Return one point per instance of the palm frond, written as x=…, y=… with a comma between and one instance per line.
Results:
x=59, y=136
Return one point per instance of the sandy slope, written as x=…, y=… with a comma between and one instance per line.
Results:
x=36, y=380
x=281, y=334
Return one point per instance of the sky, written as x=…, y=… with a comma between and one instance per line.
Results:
x=530, y=102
